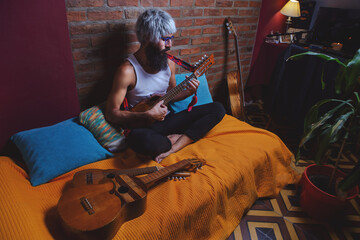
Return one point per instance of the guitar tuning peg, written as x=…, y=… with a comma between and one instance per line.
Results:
x=227, y=24
x=230, y=32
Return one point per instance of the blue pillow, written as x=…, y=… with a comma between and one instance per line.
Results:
x=52, y=151
x=203, y=94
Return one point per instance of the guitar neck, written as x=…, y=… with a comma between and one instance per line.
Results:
x=134, y=171
x=164, y=172
x=242, y=94
x=237, y=55
x=169, y=96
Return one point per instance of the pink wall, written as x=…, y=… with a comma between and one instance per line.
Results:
x=270, y=20
x=37, y=79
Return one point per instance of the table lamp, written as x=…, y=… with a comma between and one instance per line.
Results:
x=291, y=9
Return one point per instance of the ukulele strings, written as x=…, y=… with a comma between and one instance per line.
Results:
x=180, y=87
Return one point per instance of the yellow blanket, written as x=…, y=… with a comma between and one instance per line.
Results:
x=243, y=164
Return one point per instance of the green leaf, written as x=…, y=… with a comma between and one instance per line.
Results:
x=357, y=98
x=323, y=145
x=340, y=80
x=312, y=115
x=351, y=179
x=313, y=124
x=320, y=55
x=353, y=72
x=322, y=78
x=338, y=126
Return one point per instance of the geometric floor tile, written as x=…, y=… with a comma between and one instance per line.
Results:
x=283, y=218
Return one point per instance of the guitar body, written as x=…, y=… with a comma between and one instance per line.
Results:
x=89, y=176
x=145, y=105
x=236, y=103
x=97, y=211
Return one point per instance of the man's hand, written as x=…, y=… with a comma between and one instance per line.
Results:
x=158, y=112
x=192, y=86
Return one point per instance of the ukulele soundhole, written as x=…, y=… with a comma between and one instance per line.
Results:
x=123, y=189
x=110, y=175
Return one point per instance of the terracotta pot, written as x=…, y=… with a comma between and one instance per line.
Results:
x=319, y=204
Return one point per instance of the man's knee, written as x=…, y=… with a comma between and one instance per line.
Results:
x=147, y=142
x=218, y=110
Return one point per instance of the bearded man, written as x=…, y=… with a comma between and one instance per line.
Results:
x=156, y=132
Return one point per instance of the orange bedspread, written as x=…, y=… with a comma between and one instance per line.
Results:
x=243, y=164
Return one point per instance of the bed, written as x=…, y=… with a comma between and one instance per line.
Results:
x=243, y=163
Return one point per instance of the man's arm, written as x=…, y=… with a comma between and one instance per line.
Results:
x=191, y=87
x=125, y=79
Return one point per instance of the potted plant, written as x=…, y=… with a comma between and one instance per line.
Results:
x=324, y=190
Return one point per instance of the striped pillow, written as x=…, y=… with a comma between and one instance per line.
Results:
x=109, y=136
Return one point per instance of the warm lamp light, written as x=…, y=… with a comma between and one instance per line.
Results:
x=291, y=9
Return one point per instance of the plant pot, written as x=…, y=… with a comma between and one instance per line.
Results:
x=318, y=203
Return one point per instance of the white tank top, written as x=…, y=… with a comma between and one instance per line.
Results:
x=146, y=83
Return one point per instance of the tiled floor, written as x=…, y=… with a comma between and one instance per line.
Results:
x=283, y=217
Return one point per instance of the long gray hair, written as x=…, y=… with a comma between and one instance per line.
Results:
x=153, y=24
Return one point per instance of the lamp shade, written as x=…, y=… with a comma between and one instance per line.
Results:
x=291, y=9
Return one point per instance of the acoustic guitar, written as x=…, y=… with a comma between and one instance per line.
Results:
x=97, y=211
x=235, y=83
x=96, y=176
x=201, y=68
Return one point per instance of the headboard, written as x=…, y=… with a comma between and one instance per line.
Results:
x=36, y=72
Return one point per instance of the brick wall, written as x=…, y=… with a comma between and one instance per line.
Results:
x=102, y=34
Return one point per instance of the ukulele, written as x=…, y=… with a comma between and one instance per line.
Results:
x=97, y=211
x=96, y=176
x=235, y=84
x=201, y=67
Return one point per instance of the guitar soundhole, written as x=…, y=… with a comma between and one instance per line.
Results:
x=110, y=175
x=123, y=189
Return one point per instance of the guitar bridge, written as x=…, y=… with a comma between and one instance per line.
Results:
x=86, y=205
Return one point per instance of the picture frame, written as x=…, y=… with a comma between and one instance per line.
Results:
x=286, y=38
x=295, y=30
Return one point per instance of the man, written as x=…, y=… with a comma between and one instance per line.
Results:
x=145, y=73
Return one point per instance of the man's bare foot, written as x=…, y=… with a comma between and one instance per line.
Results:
x=182, y=140
x=160, y=157
x=173, y=138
